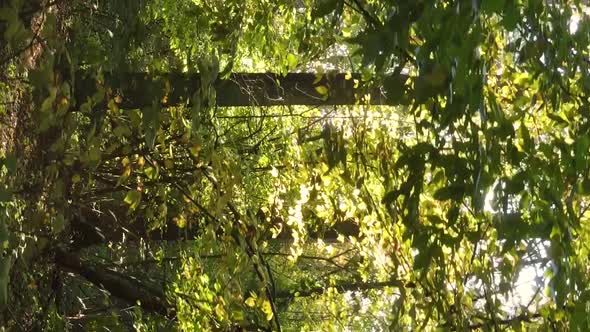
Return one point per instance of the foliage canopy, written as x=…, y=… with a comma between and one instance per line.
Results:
x=294, y=165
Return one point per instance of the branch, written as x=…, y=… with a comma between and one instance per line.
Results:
x=340, y=287
x=117, y=284
x=520, y=318
x=359, y=8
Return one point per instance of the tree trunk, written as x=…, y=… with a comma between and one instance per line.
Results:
x=138, y=90
x=100, y=229
x=120, y=286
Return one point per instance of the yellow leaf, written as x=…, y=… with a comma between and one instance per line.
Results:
x=76, y=178
x=220, y=311
x=126, y=171
x=267, y=309
x=348, y=76
x=113, y=106
x=251, y=302
x=180, y=221
x=322, y=89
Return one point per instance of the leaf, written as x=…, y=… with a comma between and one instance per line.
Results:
x=150, y=138
x=195, y=149
x=324, y=7
x=526, y=138
x=492, y=6
x=58, y=223
x=581, y=151
x=151, y=172
x=390, y=197
x=133, y=198
x=180, y=221
x=558, y=118
x=151, y=124
x=292, y=61
x=267, y=309
x=454, y=192
x=422, y=260
x=322, y=89
x=5, y=194
x=510, y=18
x=251, y=302
x=395, y=88
x=10, y=162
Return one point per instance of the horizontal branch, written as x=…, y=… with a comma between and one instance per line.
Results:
x=520, y=318
x=340, y=287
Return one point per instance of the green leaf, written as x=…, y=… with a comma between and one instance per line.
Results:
x=454, y=192
x=324, y=7
x=151, y=124
x=492, y=6
x=151, y=172
x=58, y=223
x=511, y=16
x=10, y=162
x=558, y=118
x=526, y=138
x=395, y=88
x=5, y=194
x=292, y=61
x=133, y=198
x=390, y=197
x=581, y=152
x=423, y=259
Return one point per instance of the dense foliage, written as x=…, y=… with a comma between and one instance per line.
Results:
x=294, y=165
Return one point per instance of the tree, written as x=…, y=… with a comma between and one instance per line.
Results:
x=294, y=165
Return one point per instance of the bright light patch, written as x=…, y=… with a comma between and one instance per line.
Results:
x=574, y=22
x=488, y=200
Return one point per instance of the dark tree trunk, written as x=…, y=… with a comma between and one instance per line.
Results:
x=140, y=90
x=101, y=229
x=119, y=285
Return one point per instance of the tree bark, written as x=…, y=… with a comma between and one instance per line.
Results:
x=138, y=90
x=119, y=285
x=101, y=229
